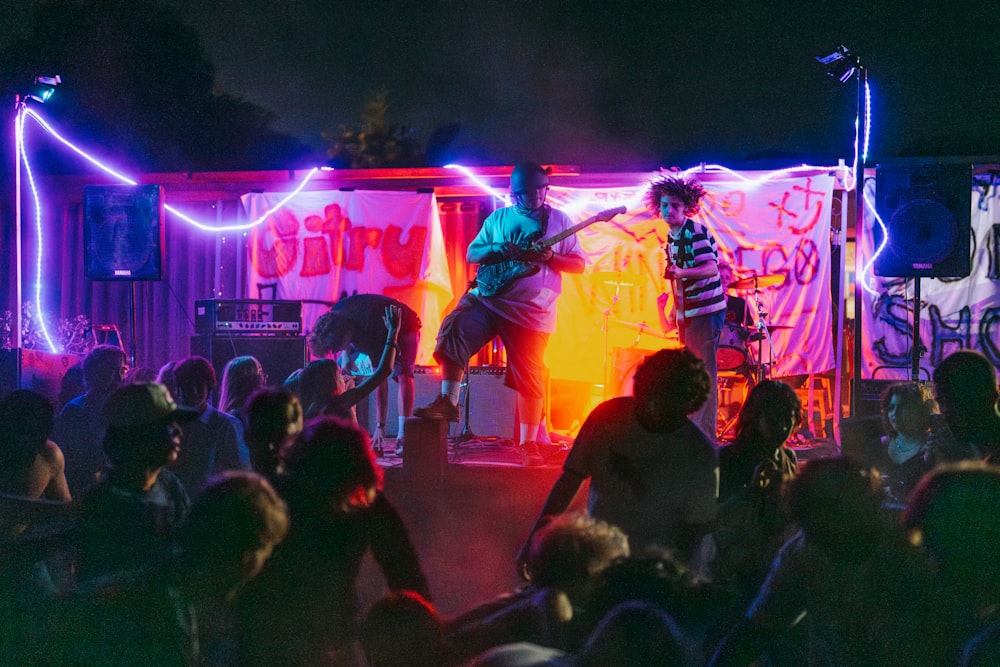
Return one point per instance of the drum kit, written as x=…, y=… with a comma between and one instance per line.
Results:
x=746, y=350
x=743, y=329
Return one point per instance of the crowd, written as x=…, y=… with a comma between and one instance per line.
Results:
x=141, y=524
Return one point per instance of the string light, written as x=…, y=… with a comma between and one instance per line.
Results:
x=19, y=126
x=127, y=180
x=40, y=315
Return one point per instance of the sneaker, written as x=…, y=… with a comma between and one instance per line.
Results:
x=398, y=451
x=441, y=409
x=531, y=455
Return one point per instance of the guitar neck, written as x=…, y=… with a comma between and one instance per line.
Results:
x=603, y=215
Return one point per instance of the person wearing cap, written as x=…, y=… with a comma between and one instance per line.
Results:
x=126, y=519
x=153, y=616
x=524, y=313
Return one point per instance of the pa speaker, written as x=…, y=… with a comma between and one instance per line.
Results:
x=123, y=232
x=492, y=405
x=925, y=207
x=279, y=356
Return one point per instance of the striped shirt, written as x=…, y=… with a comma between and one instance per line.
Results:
x=694, y=245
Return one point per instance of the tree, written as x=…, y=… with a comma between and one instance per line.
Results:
x=376, y=143
x=138, y=84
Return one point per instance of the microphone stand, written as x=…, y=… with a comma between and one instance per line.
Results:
x=466, y=435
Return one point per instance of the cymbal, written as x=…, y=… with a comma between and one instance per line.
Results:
x=752, y=282
x=642, y=327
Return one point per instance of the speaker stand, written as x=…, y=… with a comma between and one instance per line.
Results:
x=918, y=347
x=132, y=324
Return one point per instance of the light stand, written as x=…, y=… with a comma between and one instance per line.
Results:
x=44, y=86
x=19, y=107
x=843, y=65
x=859, y=209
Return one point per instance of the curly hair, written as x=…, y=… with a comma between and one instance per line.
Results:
x=677, y=376
x=573, y=547
x=328, y=332
x=913, y=393
x=688, y=190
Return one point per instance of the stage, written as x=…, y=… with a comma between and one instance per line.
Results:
x=468, y=516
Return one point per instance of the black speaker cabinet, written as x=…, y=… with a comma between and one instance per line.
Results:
x=926, y=207
x=278, y=355
x=123, y=232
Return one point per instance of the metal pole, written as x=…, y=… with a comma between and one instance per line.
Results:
x=19, y=104
x=859, y=205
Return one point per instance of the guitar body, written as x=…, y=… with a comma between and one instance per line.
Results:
x=493, y=279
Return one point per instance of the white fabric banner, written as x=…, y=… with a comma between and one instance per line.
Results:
x=326, y=245
x=776, y=227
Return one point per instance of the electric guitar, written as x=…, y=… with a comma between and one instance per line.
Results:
x=493, y=279
x=677, y=287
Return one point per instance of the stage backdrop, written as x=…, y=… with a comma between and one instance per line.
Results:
x=954, y=313
x=322, y=246
x=328, y=244
x=779, y=227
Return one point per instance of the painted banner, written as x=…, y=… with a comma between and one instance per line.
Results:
x=775, y=227
x=325, y=245
x=955, y=313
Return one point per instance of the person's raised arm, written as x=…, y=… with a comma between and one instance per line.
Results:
x=392, y=319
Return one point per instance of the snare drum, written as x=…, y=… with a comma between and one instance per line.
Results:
x=732, y=353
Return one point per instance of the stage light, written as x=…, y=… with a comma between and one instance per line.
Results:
x=44, y=87
x=841, y=64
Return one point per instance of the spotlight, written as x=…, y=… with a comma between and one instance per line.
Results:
x=841, y=64
x=44, y=87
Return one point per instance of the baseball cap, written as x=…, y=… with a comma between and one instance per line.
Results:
x=138, y=405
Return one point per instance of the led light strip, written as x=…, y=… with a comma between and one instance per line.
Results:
x=39, y=315
x=19, y=138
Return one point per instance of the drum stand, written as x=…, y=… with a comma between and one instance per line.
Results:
x=607, y=324
x=762, y=371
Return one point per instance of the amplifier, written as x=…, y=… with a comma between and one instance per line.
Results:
x=246, y=316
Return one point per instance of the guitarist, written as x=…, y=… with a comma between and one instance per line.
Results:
x=523, y=314
x=693, y=269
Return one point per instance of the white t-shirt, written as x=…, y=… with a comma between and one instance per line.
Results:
x=674, y=476
x=529, y=302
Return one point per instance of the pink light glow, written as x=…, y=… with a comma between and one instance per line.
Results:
x=127, y=180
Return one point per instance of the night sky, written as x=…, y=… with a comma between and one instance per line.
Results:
x=620, y=84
